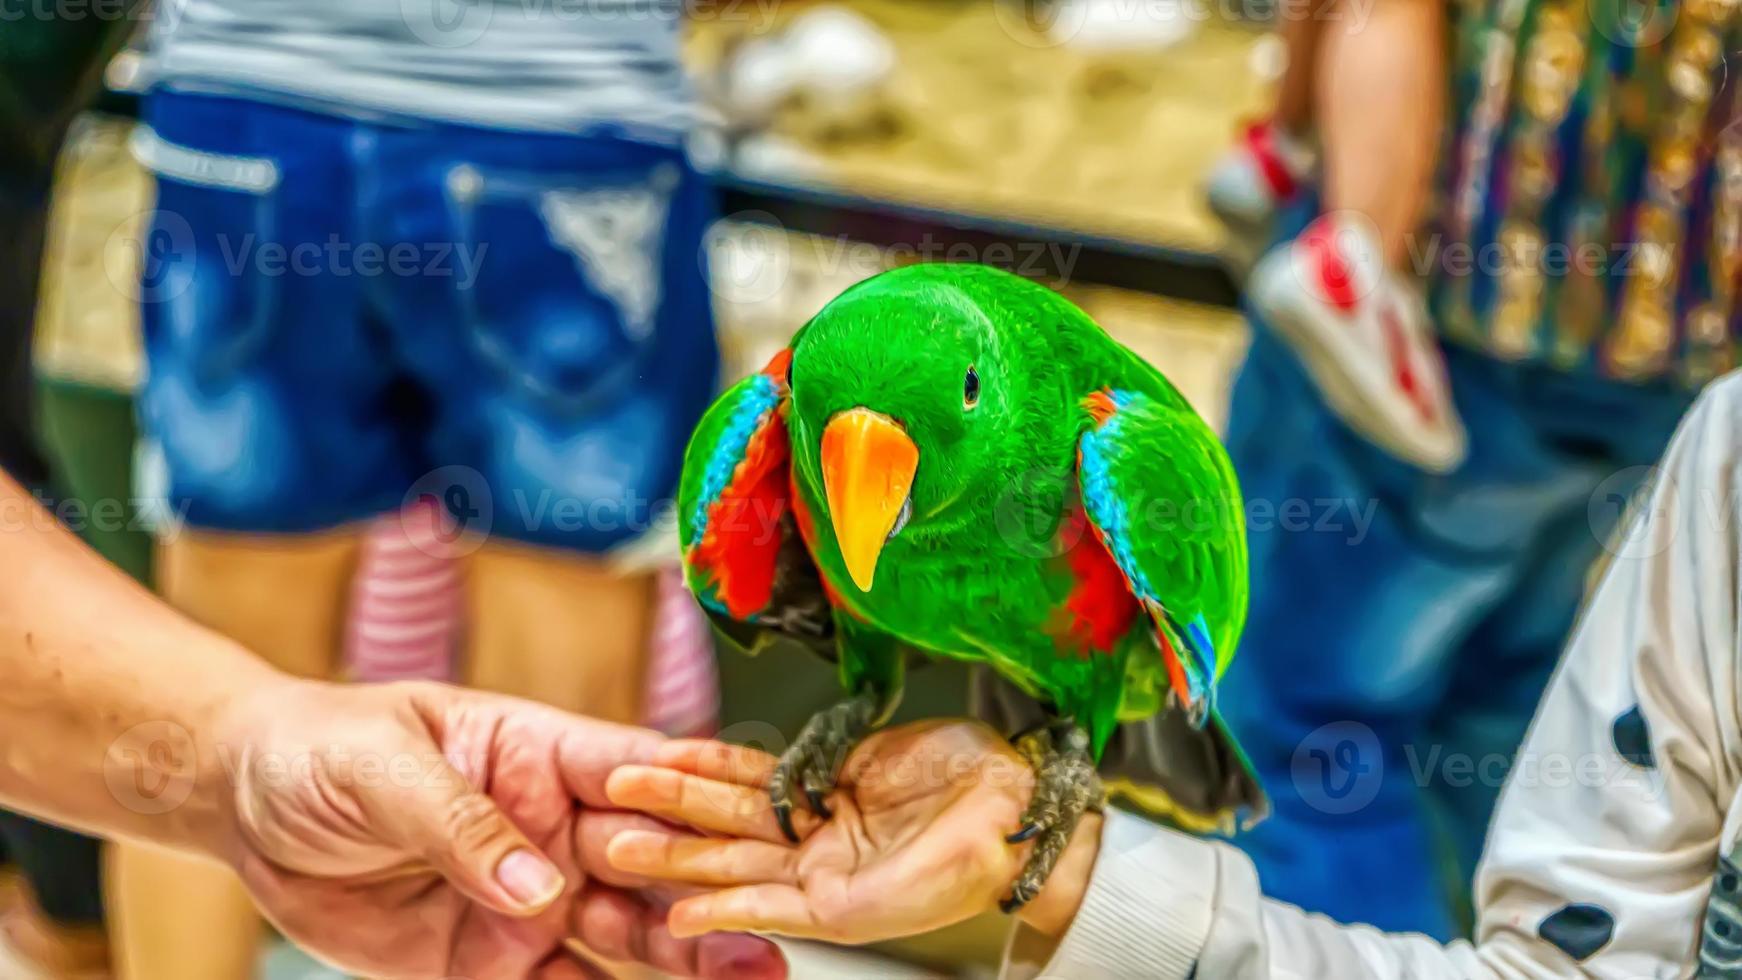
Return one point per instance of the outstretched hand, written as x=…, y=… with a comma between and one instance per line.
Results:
x=422, y=830
x=916, y=841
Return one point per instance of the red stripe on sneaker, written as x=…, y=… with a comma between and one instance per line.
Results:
x=1261, y=143
x=1336, y=278
x=1402, y=366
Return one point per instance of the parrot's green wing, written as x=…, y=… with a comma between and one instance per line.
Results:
x=1160, y=491
x=737, y=517
x=1161, y=494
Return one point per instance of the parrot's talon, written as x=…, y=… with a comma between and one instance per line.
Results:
x=810, y=763
x=783, y=816
x=1066, y=787
x=818, y=807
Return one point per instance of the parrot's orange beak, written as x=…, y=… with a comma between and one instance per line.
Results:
x=868, y=466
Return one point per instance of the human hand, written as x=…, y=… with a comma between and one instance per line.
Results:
x=421, y=830
x=916, y=841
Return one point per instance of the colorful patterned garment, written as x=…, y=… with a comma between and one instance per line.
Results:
x=1592, y=211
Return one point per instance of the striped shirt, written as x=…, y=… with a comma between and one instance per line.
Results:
x=562, y=65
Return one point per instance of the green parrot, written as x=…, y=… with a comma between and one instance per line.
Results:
x=951, y=461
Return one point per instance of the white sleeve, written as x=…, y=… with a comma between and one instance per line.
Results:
x=1603, y=849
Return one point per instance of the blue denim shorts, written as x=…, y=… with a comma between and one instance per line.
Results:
x=341, y=315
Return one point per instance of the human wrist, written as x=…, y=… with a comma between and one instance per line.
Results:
x=233, y=731
x=1053, y=910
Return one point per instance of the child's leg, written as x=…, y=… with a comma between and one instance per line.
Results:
x=1380, y=102
x=560, y=628
x=1296, y=90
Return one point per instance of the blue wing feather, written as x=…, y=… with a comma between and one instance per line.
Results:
x=749, y=414
x=1100, y=447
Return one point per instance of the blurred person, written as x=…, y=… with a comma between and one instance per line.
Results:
x=1366, y=82
x=1616, y=850
x=415, y=251
x=1581, y=268
x=402, y=830
x=50, y=67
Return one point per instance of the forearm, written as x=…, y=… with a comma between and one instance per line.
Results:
x=1153, y=903
x=111, y=705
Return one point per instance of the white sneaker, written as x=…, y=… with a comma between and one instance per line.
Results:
x=1364, y=335
x=1250, y=184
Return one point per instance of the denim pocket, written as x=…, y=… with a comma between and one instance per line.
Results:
x=569, y=281
x=204, y=291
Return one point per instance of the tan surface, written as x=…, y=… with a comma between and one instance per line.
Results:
x=994, y=118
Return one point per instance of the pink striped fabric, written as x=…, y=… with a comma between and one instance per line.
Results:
x=683, y=684
x=406, y=618
x=405, y=599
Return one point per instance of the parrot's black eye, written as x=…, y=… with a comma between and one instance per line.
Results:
x=971, y=388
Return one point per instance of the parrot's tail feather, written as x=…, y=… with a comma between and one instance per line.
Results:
x=1196, y=778
x=1154, y=802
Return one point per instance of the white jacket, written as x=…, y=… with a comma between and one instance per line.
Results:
x=1610, y=854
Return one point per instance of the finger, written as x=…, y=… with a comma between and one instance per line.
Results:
x=472, y=843
x=472, y=727
x=702, y=860
x=780, y=909
x=564, y=965
x=736, y=764
x=592, y=749
x=615, y=925
x=705, y=804
x=669, y=954
x=594, y=831
x=732, y=956
x=610, y=924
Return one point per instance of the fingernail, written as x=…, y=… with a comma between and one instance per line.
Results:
x=528, y=878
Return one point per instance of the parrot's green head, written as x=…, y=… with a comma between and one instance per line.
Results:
x=911, y=402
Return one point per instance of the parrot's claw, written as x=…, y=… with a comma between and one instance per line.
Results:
x=818, y=807
x=783, y=816
x=1066, y=787
x=809, y=765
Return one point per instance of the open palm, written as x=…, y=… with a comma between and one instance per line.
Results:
x=916, y=840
